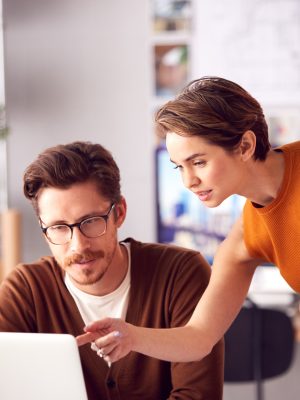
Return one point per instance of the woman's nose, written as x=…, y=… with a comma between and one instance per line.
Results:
x=190, y=179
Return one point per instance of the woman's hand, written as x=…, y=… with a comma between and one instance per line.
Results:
x=112, y=338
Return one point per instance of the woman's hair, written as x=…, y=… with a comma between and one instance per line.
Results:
x=64, y=165
x=218, y=110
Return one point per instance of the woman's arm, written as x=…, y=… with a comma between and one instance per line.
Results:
x=232, y=272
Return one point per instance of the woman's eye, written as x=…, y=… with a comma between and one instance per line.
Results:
x=200, y=163
x=177, y=167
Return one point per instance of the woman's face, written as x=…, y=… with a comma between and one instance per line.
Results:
x=209, y=171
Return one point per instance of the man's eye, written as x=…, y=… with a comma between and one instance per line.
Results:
x=91, y=221
x=58, y=228
x=177, y=167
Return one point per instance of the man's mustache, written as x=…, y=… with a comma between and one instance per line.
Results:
x=86, y=256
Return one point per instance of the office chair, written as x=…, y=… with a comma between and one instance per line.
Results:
x=259, y=345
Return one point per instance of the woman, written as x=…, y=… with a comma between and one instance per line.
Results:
x=217, y=136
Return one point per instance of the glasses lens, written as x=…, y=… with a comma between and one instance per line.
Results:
x=59, y=234
x=93, y=227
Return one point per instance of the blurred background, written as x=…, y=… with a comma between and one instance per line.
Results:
x=98, y=70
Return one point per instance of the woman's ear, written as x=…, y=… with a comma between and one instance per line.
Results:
x=247, y=145
x=121, y=209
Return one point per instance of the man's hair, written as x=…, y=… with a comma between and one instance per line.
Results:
x=64, y=165
x=218, y=110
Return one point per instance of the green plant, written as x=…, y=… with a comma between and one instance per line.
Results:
x=3, y=128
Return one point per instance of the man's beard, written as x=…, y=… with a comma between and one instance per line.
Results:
x=86, y=256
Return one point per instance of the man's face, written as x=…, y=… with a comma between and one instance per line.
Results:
x=91, y=263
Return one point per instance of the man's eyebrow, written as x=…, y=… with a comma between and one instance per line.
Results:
x=65, y=222
x=191, y=157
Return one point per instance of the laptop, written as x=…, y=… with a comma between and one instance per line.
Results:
x=40, y=366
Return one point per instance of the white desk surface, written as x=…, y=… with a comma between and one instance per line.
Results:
x=268, y=288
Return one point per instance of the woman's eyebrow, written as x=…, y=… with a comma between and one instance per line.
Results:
x=191, y=157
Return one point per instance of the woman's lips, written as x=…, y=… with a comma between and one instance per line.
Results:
x=204, y=195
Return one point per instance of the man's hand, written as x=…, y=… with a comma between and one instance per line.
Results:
x=113, y=337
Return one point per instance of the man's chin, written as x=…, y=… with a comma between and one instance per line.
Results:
x=83, y=278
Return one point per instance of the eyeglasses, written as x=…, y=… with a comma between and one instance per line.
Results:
x=91, y=227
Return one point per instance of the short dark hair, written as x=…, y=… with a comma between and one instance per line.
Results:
x=64, y=165
x=218, y=110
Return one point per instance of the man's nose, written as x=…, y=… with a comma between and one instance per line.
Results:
x=79, y=241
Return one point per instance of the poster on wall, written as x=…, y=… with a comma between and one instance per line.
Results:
x=255, y=43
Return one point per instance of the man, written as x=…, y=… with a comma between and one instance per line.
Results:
x=75, y=192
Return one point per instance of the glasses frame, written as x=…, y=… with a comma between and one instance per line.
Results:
x=78, y=225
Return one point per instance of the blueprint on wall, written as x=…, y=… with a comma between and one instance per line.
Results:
x=255, y=43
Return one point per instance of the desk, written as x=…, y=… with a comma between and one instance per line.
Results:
x=269, y=289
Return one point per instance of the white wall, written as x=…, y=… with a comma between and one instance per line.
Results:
x=80, y=70
x=1, y=60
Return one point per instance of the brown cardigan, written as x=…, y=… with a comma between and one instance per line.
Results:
x=166, y=283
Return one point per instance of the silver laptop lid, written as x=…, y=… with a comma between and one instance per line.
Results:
x=40, y=366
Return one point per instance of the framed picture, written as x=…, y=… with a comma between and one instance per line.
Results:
x=171, y=69
x=171, y=15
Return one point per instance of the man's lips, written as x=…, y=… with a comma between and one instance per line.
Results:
x=82, y=264
x=83, y=259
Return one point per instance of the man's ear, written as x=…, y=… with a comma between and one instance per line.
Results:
x=247, y=145
x=120, y=212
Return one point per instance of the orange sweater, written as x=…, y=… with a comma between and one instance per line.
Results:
x=272, y=233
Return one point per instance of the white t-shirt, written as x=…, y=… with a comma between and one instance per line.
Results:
x=113, y=304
